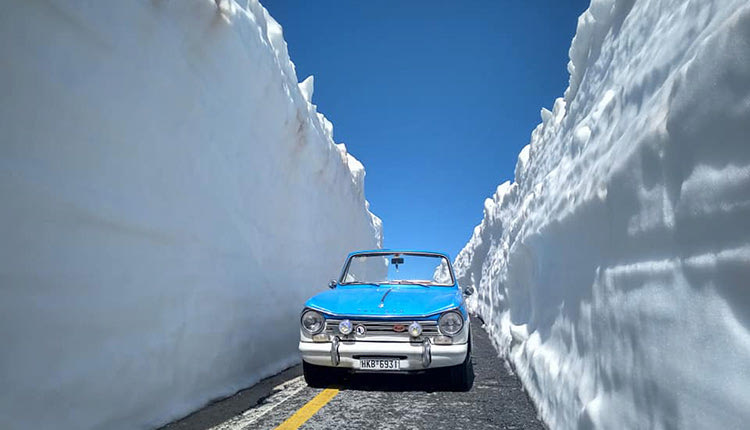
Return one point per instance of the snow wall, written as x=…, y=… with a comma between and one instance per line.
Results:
x=169, y=197
x=614, y=271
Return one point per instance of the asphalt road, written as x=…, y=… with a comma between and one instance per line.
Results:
x=496, y=401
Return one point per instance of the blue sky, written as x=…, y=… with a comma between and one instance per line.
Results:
x=436, y=98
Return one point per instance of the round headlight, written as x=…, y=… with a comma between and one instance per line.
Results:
x=451, y=323
x=345, y=327
x=312, y=322
x=415, y=329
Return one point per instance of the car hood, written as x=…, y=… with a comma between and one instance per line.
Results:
x=397, y=300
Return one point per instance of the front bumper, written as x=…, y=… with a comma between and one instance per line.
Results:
x=412, y=355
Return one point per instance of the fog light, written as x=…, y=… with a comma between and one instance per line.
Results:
x=415, y=329
x=345, y=327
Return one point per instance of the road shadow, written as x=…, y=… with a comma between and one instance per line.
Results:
x=431, y=381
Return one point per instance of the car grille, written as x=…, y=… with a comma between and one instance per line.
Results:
x=381, y=330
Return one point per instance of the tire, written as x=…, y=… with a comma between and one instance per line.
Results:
x=317, y=376
x=461, y=377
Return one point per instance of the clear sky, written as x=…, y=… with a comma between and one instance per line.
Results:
x=435, y=98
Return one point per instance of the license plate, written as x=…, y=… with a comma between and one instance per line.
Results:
x=379, y=364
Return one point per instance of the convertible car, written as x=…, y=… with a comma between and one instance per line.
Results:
x=389, y=311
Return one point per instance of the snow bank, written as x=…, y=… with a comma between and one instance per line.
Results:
x=170, y=197
x=614, y=271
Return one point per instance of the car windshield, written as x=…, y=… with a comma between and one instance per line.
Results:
x=398, y=268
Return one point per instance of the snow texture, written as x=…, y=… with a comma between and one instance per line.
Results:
x=169, y=198
x=613, y=272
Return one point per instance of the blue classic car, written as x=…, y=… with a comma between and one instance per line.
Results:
x=389, y=311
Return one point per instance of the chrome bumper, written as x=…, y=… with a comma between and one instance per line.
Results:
x=413, y=355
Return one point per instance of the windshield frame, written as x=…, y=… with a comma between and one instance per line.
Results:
x=391, y=252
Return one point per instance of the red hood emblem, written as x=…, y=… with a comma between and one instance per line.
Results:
x=398, y=328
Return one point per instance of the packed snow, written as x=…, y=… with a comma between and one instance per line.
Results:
x=613, y=272
x=170, y=197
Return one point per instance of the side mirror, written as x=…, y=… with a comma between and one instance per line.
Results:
x=333, y=284
x=468, y=291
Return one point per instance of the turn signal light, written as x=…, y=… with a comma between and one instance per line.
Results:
x=320, y=338
x=443, y=340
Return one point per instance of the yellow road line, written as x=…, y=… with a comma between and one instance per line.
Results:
x=305, y=412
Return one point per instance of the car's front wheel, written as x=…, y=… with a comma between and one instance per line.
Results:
x=317, y=376
x=461, y=377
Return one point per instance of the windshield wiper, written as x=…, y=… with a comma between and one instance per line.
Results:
x=362, y=283
x=423, y=284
